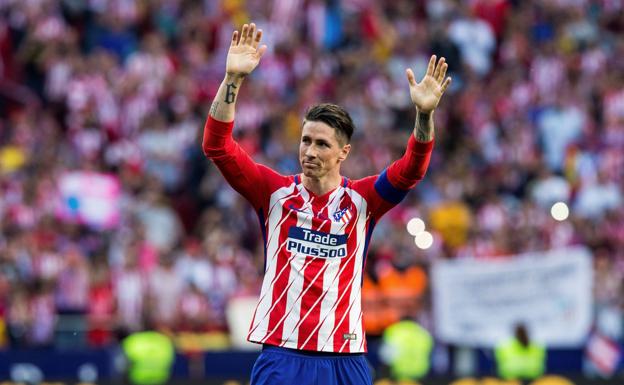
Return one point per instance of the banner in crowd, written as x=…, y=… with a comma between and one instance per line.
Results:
x=90, y=198
x=478, y=302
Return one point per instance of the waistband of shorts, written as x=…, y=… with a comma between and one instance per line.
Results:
x=308, y=353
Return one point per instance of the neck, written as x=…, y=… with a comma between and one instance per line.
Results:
x=321, y=186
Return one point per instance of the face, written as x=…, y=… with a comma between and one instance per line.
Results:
x=320, y=151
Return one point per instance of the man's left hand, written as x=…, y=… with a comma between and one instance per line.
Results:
x=426, y=94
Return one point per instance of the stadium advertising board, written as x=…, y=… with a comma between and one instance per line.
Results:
x=477, y=302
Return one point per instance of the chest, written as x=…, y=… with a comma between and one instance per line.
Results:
x=328, y=215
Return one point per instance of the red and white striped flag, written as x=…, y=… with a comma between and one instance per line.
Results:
x=604, y=353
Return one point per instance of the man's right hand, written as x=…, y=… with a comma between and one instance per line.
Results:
x=244, y=54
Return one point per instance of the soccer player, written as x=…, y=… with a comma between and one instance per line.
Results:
x=316, y=226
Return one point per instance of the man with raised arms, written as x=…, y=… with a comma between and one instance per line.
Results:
x=316, y=226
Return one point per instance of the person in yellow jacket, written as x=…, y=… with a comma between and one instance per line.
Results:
x=520, y=358
x=150, y=356
x=406, y=349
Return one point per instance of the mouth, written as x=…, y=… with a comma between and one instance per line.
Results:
x=309, y=164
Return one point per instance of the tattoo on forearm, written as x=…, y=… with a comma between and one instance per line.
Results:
x=424, y=127
x=213, y=108
x=229, y=93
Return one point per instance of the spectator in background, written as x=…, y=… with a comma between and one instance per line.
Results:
x=559, y=125
x=596, y=198
x=194, y=266
x=406, y=346
x=130, y=289
x=162, y=224
x=475, y=39
x=18, y=318
x=150, y=356
x=101, y=316
x=406, y=349
x=41, y=315
x=195, y=312
x=520, y=358
x=550, y=188
x=165, y=290
x=72, y=294
x=72, y=283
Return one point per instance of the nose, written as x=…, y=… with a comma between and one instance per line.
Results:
x=310, y=152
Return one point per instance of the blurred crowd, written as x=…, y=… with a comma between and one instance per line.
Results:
x=120, y=89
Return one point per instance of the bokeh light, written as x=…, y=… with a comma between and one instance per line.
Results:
x=560, y=211
x=415, y=226
x=424, y=240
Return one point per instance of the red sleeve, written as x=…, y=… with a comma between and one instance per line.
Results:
x=404, y=173
x=242, y=173
x=387, y=189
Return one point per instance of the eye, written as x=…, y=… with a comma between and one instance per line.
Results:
x=324, y=144
x=305, y=140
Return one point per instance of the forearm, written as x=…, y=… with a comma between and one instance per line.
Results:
x=224, y=103
x=405, y=172
x=423, y=128
x=218, y=128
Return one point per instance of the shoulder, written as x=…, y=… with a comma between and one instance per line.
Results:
x=272, y=177
x=274, y=181
x=362, y=185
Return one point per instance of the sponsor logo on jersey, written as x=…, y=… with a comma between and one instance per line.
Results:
x=316, y=243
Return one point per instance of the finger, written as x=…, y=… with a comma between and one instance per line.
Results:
x=431, y=65
x=243, y=34
x=250, y=34
x=446, y=84
x=257, y=39
x=438, y=68
x=410, y=77
x=234, y=39
x=443, y=72
x=260, y=51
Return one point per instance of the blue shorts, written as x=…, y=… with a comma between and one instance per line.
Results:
x=282, y=366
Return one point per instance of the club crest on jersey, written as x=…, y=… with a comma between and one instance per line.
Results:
x=316, y=243
x=343, y=216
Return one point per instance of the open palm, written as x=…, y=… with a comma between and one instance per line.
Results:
x=244, y=54
x=426, y=94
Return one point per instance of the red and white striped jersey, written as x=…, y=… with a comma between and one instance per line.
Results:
x=315, y=246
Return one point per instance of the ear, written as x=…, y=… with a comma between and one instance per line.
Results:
x=344, y=152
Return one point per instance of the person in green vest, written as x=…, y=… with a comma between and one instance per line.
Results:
x=406, y=349
x=150, y=356
x=519, y=358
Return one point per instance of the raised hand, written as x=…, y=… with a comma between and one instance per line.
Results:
x=426, y=94
x=244, y=54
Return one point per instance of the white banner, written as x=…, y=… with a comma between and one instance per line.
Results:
x=478, y=302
